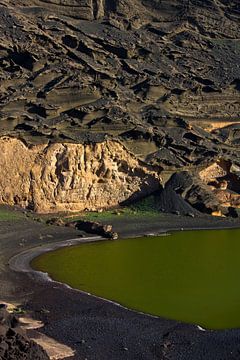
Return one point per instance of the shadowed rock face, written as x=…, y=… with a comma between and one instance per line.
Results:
x=160, y=77
x=14, y=344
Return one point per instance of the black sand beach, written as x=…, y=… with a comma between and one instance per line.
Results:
x=94, y=328
x=106, y=104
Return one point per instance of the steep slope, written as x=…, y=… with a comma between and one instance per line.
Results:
x=161, y=77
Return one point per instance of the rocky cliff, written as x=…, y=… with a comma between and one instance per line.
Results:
x=161, y=78
x=71, y=177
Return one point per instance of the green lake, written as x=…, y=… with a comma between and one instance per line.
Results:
x=192, y=276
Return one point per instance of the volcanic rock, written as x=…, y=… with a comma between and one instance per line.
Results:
x=151, y=84
x=94, y=227
x=185, y=193
x=14, y=343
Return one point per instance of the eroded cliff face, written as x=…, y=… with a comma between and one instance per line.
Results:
x=71, y=177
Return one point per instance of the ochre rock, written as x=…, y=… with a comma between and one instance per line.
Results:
x=71, y=177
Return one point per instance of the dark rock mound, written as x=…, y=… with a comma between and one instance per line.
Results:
x=93, y=227
x=186, y=192
x=14, y=344
x=171, y=202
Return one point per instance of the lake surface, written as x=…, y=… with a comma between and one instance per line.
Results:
x=192, y=276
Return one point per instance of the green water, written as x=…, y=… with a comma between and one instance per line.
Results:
x=190, y=276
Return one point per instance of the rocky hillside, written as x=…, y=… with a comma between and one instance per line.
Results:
x=144, y=87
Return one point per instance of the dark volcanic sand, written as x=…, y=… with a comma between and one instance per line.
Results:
x=97, y=329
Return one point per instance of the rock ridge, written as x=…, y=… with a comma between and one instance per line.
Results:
x=160, y=77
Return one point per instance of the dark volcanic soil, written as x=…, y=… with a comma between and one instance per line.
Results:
x=97, y=329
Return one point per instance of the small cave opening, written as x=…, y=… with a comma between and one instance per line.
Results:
x=233, y=183
x=70, y=41
x=38, y=110
x=206, y=82
x=23, y=59
x=202, y=208
x=236, y=83
x=177, y=91
x=208, y=89
x=84, y=49
x=136, y=135
x=111, y=5
x=24, y=127
x=193, y=137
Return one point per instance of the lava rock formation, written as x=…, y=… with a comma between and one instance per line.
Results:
x=161, y=78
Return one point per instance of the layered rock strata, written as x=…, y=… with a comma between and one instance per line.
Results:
x=160, y=77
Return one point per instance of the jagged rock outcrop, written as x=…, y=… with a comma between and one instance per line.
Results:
x=223, y=177
x=71, y=177
x=93, y=227
x=161, y=77
x=14, y=344
x=191, y=194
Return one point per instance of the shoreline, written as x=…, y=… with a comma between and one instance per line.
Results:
x=21, y=263
x=96, y=328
